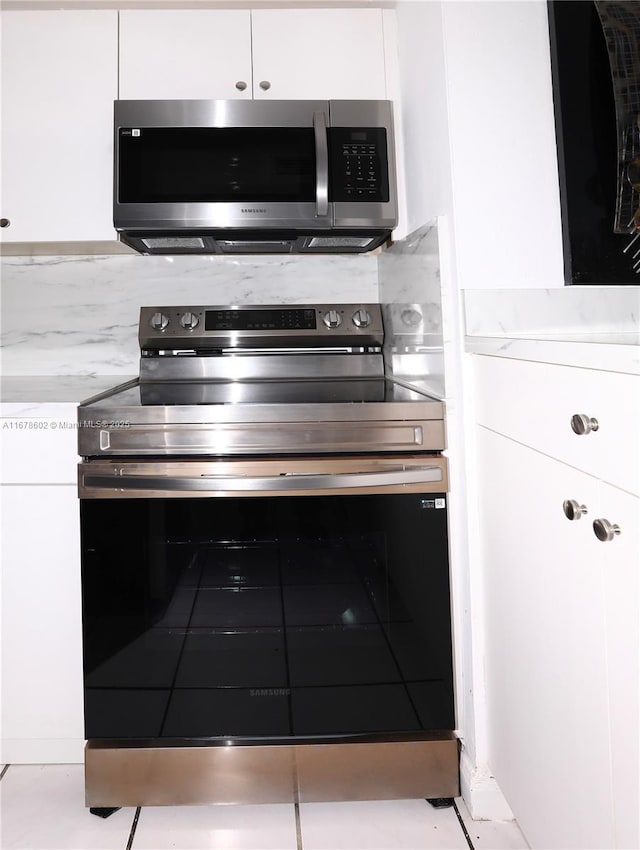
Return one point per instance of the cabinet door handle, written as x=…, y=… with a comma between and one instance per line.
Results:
x=265, y=85
x=4, y=222
x=605, y=530
x=241, y=85
x=573, y=510
x=583, y=424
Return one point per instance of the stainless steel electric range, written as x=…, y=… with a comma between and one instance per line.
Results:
x=266, y=607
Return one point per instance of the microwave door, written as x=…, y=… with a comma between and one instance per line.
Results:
x=225, y=170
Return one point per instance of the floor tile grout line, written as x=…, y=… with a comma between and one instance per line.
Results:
x=133, y=828
x=296, y=807
x=4, y=770
x=462, y=825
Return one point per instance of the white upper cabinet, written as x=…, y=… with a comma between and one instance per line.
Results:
x=168, y=54
x=272, y=53
x=62, y=70
x=318, y=53
x=59, y=80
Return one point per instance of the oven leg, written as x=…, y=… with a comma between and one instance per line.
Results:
x=441, y=802
x=104, y=813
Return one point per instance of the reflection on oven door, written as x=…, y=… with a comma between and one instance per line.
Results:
x=287, y=618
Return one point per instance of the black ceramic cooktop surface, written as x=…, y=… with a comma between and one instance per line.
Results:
x=176, y=393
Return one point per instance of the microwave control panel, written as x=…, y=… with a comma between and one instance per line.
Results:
x=358, y=164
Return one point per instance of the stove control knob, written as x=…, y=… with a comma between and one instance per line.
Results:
x=361, y=319
x=332, y=319
x=159, y=321
x=189, y=321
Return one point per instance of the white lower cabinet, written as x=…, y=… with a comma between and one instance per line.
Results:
x=41, y=702
x=42, y=715
x=535, y=403
x=561, y=622
x=621, y=562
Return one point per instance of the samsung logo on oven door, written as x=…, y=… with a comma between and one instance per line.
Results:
x=270, y=692
x=256, y=210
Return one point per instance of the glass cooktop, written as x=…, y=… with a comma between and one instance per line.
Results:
x=189, y=393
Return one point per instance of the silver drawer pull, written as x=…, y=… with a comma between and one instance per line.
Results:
x=605, y=530
x=583, y=424
x=573, y=510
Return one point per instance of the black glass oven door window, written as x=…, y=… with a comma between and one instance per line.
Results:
x=211, y=164
x=290, y=618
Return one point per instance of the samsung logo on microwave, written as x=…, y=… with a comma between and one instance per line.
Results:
x=256, y=210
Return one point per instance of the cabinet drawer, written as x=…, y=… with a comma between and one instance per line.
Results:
x=534, y=403
x=39, y=447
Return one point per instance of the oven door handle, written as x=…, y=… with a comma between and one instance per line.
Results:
x=286, y=482
x=322, y=164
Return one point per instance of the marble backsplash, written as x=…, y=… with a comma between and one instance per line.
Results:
x=73, y=315
x=410, y=290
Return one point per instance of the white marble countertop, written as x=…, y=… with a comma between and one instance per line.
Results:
x=610, y=352
x=595, y=327
x=55, y=389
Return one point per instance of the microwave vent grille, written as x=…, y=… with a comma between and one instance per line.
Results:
x=340, y=241
x=173, y=242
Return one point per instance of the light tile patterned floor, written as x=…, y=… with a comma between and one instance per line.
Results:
x=42, y=808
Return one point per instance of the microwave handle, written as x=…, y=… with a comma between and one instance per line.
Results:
x=322, y=164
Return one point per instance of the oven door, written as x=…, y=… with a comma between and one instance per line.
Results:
x=322, y=614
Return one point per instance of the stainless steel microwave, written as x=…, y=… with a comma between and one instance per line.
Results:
x=229, y=177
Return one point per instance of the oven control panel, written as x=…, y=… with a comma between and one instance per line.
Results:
x=216, y=327
x=286, y=319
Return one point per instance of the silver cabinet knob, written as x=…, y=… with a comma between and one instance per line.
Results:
x=583, y=424
x=241, y=85
x=189, y=321
x=158, y=321
x=361, y=318
x=605, y=530
x=332, y=319
x=4, y=222
x=265, y=85
x=573, y=510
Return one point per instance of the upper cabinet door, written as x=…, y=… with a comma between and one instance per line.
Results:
x=59, y=81
x=168, y=54
x=318, y=54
